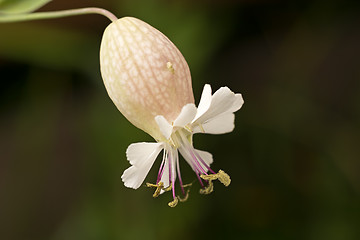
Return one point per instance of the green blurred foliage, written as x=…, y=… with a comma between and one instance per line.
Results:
x=20, y=6
x=293, y=156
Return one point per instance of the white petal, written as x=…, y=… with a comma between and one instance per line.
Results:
x=218, y=125
x=239, y=101
x=205, y=101
x=186, y=115
x=131, y=177
x=137, y=153
x=223, y=101
x=164, y=125
x=142, y=157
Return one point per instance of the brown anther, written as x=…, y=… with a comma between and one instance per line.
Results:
x=224, y=178
x=209, y=177
x=187, y=185
x=151, y=185
x=185, y=197
x=208, y=189
x=167, y=189
x=174, y=202
x=158, y=187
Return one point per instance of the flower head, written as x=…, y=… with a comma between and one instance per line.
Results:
x=144, y=73
x=149, y=81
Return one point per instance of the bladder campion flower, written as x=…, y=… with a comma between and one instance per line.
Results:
x=149, y=81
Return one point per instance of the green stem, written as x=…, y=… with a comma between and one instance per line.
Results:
x=56, y=14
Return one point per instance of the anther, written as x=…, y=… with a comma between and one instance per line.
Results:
x=168, y=188
x=186, y=194
x=224, y=178
x=209, y=176
x=208, y=189
x=158, y=187
x=174, y=202
x=185, y=198
x=187, y=185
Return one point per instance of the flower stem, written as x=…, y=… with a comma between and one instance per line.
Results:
x=57, y=14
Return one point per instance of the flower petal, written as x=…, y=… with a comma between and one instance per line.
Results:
x=132, y=178
x=142, y=157
x=223, y=101
x=223, y=123
x=164, y=125
x=186, y=115
x=205, y=101
x=239, y=101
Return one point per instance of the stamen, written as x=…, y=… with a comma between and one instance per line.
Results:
x=203, y=162
x=200, y=168
x=168, y=188
x=210, y=177
x=173, y=189
x=208, y=189
x=224, y=178
x=185, y=198
x=158, y=187
x=172, y=173
x=178, y=171
x=187, y=185
x=174, y=202
x=200, y=181
x=161, y=169
x=191, y=150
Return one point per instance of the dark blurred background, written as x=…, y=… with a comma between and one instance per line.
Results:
x=294, y=157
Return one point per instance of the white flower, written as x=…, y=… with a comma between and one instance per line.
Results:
x=215, y=115
x=149, y=81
